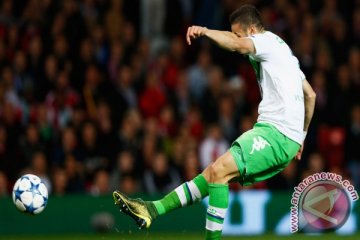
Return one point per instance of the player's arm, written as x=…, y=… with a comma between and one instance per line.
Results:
x=309, y=102
x=225, y=39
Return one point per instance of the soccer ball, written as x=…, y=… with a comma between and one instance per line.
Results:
x=30, y=194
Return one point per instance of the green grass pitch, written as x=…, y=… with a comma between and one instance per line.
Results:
x=174, y=236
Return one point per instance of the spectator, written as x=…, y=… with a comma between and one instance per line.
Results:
x=316, y=164
x=101, y=183
x=212, y=147
x=212, y=94
x=354, y=65
x=152, y=16
x=167, y=125
x=74, y=25
x=129, y=40
x=35, y=57
x=339, y=40
x=86, y=57
x=321, y=89
x=182, y=100
x=89, y=12
x=48, y=77
x=344, y=94
x=59, y=182
x=236, y=89
x=162, y=177
x=100, y=44
x=114, y=20
x=183, y=143
x=10, y=92
x=125, y=166
x=61, y=101
x=198, y=78
x=116, y=58
x=173, y=64
x=39, y=167
x=149, y=149
x=129, y=184
x=31, y=144
x=60, y=50
x=91, y=154
x=90, y=90
x=75, y=175
x=106, y=134
x=43, y=124
x=195, y=124
x=124, y=86
x=191, y=166
x=227, y=118
x=128, y=137
x=153, y=98
x=69, y=146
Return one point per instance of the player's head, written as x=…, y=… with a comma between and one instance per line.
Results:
x=246, y=21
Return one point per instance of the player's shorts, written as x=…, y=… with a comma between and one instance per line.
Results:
x=262, y=152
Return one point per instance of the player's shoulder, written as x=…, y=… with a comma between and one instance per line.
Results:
x=268, y=45
x=266, y=38
x=263, y=34
x=266, y=35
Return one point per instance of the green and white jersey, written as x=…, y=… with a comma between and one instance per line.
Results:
x=280, y=81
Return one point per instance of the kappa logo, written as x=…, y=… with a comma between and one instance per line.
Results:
x=259, y=144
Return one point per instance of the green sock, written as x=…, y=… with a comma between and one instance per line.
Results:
x=185, y=194
x=218, y=204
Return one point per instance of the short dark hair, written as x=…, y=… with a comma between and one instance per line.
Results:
x=246, y=15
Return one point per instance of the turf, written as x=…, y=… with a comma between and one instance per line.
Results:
x=173, y=236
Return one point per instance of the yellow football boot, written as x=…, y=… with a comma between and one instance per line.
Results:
x=135, y=208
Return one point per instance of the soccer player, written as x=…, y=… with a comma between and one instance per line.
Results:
x=285, y=112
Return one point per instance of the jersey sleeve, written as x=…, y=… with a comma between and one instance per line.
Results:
x=302, y=75
x=261, y=44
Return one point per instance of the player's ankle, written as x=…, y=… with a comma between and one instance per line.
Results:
x=152, y=209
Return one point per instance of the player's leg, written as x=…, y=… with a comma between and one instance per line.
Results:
x=194, y=190
x=220, y=173
x=184, y=195
x=145, y=212
x=255, y=156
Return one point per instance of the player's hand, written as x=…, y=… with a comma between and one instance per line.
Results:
x=194, y=32
x=299, y=153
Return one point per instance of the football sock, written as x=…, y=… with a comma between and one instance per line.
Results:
x=183, y=195
x=218, y=204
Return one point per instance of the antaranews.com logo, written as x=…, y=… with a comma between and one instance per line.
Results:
x=321, y=203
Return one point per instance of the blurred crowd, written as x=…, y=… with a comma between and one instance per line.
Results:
x=99, y=95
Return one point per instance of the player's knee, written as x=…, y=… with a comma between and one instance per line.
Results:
x=216, y=172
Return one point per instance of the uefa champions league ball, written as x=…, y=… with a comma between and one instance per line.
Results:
x=30, y=194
